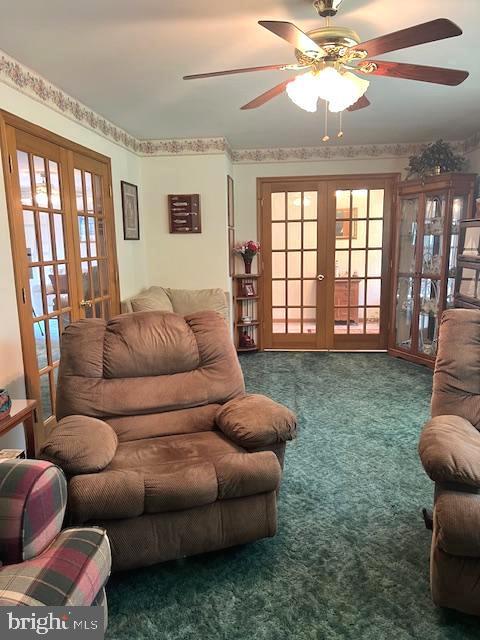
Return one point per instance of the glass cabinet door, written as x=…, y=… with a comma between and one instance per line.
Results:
x=407, y=255
x=404, y=312
x=408, y=236
x=428, y=316
x=433, y=229
x=431, y=274
x=458, y=213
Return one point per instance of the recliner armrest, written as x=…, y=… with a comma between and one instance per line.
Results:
x=80, y=444
x=254, y=421
x=449, y=448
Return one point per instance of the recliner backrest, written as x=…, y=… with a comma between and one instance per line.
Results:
x=146, y=362
x=456, y=381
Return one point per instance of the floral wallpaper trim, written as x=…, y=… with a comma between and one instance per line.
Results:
x=184, y=146
x=329, y=152
x=34, y=85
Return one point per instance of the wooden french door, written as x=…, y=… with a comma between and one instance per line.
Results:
x=326, y=259
x=61, y=223
x=294, y=255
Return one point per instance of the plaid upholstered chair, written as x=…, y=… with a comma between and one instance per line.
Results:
x=41, y=564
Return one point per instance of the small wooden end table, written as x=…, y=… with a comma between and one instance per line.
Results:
x=21, y=411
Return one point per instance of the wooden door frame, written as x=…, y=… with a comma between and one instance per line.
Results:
x=391, y=180
x=9, y=121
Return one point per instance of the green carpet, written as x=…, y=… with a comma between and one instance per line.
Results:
x=350, y=559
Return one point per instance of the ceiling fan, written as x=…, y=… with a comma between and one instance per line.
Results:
x=337, y=63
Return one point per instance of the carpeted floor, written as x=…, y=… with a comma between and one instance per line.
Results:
x=350, y=560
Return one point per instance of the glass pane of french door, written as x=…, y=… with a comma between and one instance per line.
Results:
x=94, y=258
x=294, y=261
x=358, y=260
x=43, y=211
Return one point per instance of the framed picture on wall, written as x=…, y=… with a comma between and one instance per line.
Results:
x=231, y=209
x=131, y=222
x=231, y=226
x=248, y=290
x=346, y=228
x=231, y=244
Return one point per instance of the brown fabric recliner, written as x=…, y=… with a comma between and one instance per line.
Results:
x=450, y=452
x=161, y=444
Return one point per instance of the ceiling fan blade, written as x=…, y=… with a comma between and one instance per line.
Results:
x=295, y=36
x=268, y=95
x=229, y=72
x=438, y=75
x=361, y=103
x=419, y=34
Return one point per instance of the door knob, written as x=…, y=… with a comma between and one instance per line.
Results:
x=320, y=276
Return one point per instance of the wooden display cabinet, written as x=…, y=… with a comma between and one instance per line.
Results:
x=247, y=312
x=428, y=222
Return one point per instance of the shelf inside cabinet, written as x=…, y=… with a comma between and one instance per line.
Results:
x=242, y=276
x=247, y=298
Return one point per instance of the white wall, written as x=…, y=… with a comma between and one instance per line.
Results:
x=131, y=254
x=245, y=176
x=192, y=260
x=474, y=161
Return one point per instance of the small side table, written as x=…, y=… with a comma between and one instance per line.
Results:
x=21, y=411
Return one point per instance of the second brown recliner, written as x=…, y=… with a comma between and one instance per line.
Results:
x=450, y=452
x=161, y=444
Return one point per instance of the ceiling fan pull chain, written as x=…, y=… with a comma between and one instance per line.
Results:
x=326, y=137
x=340, y=132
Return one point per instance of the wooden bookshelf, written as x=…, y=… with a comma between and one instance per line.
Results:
x=247, y=304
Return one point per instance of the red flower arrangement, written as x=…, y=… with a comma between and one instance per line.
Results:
x=247, y=249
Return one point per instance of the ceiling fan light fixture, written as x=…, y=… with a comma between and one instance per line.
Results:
x=340, y=90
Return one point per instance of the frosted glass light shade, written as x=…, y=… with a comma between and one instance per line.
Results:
x=340, y=90
x=303, y=92
x=348, y=91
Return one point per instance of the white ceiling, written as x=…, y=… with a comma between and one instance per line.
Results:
x=125, y=60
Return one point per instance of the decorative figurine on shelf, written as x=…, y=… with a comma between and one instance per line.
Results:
x=5, y=403
x=245, y=341
x=247, y=250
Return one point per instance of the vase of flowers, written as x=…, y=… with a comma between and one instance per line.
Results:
x=247, y=250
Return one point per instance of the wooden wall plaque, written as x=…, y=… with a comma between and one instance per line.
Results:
x=184, y=213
